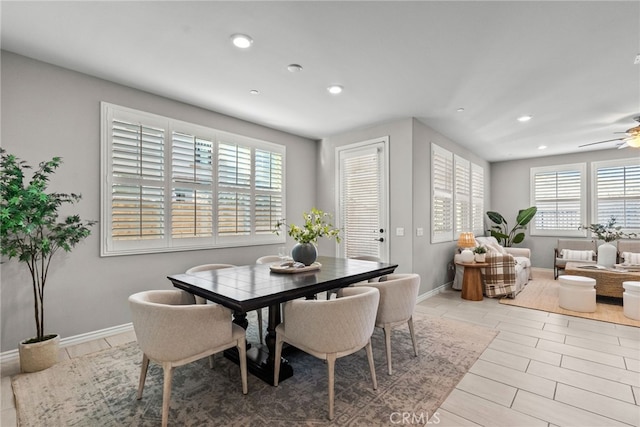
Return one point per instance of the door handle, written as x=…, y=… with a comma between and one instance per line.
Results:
x=381, y=239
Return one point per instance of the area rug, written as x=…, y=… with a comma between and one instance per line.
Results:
x=541, y=293
x=100, y=389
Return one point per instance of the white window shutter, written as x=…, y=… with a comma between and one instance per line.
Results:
x=441, y=194
x=477, y=199
x=617, y=193
x=462, y=195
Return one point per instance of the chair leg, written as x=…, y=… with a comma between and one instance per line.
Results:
x=143, y=375
x=387, y=345
x=260, y=325
x=242, y=354
x=276, y=359
x=166, y=392
x=331, y=364
x=413, y=336
x=372, y=367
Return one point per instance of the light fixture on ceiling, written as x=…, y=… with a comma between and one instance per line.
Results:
x=525, y=118
x=460, y=110
x=294, y=68
x=241, y=41
x=542, y=147
x=335, y=89
x=254, y=92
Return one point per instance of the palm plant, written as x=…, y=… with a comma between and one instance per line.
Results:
x=30, y=229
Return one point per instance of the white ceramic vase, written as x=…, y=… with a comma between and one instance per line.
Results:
x=607, y=254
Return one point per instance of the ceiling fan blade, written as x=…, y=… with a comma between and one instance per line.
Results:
x=600, y=142
x=623, y=145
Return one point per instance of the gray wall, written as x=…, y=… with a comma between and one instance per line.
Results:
x=49, y=111
x=409, y=193
x=510, y=191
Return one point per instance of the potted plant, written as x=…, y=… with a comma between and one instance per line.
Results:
x=501, y=232
x=480, y=252
x=316, y=224
x=608, y=233
x=32, y=232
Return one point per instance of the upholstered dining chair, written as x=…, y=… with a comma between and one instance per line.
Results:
x=200, y=300
x=269, y=259
x=330, y=329
x=398, y=295
x=361, y=258
x=169, y=329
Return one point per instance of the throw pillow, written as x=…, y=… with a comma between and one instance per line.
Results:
x=577, y=255
x=631, y=258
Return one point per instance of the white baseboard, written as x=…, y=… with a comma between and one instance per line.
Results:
x=12, y=355
x=433, y=292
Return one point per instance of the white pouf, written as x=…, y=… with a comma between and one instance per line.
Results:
x=631, y=300
x=577, y=293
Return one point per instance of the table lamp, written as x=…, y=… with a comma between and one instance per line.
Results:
x=466, y=241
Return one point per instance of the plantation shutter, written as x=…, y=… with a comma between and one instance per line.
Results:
x=137, y=189
x=234, y=189
x=477, y=200
x=462, y=195
x=268, y=188
x=191, y=192
x=618, y=194
x=441, y=194
x=558, y=195
x=359, y=201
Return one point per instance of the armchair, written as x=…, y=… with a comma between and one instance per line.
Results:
x=508, y=272
x=573, y=250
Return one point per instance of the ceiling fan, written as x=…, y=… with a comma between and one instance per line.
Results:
x=631, y=138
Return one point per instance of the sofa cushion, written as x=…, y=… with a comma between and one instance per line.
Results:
x=572, y=255
x=631, y=257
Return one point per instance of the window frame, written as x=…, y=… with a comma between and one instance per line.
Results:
x=577, y=232
x=168, y=243
x=594, y=188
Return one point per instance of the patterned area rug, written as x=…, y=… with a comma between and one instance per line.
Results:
x=100, y=389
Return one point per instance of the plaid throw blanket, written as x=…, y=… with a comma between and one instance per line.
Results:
x=500, y=276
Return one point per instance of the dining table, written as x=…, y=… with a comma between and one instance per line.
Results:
x=255, y=286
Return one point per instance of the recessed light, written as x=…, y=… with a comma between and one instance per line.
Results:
x=542, y=147
x=335, y=89
x=294, y=68
x=254, y=92
x=460, y=110
x=242, y=41
x=525, y=118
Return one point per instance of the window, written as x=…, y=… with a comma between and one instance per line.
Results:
x=457, y=196
x=477, y=199
x=172, y=185
x=559, y=192
x=462, y=195
x=616, y=192
x=441, y=194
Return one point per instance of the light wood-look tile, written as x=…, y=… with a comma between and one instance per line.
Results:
x=602, y=405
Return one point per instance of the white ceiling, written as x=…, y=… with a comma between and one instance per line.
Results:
x=569, y=64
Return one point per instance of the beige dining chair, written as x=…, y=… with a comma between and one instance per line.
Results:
x=200, y=300
x=330, y=329
x=361, y=258
x=269, y=259
x=398, y=295
x=169, y=328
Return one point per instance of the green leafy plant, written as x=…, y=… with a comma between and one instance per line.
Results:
x=501, y=230
x=480, y=250
x=316, y=224
x=608, y=232
x=31, y=230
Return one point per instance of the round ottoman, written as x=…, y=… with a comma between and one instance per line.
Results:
x=577, y=293
x=631, y=300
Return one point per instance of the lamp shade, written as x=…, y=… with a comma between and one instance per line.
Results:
x=466, y=240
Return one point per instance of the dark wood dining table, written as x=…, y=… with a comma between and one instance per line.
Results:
x=251, y=287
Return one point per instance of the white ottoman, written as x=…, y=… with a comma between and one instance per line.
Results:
x=631, y=300
x=577, y=293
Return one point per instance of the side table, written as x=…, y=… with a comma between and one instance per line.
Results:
x=472, y=280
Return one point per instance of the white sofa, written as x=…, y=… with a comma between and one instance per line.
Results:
x=521, y=263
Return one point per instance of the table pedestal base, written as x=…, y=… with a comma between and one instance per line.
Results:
x=258, y=363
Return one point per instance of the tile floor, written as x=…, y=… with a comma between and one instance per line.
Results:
x=543, y=369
